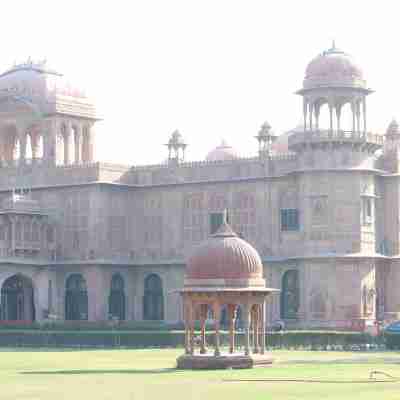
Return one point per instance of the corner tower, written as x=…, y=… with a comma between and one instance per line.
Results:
x=334, y=87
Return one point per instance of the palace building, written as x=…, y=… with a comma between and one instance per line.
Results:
x=86, y=240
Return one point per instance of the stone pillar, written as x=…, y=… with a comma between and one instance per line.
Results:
x=98, y=289
x=50, y=148
x=90, y=146
x=191, y=329
x=338, y=110
x=262, y=323
x=316, y=108
x=255, y=319
x=365, y=114
x=305, y=105
x=353, y=113
x=187, y=324
x=358, y=106
x=310, y=110
x=330, y=117
x=246, y=319
x=78, y=144
x=203, y=318
x=217, y=317
x=67, y=136
x=12, y=234
x=232, y=317
x=21, y=135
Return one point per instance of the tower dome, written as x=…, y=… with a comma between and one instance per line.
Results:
x=226, y=261
x=223, y=152
x=333, y=68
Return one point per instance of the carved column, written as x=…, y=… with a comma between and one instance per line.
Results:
x=187, y=324
x=12, y=235
x=338, y=110
x=316, y=108
x=90, y=142
x=310, y=110
x=22, y=136
x=358, y=112
x=305, y=105
x=262, y=323
x=231, y=317
x=246, y=320
x=78, y=144
x=48, y=129
x=353, y=114
x=255, y=320
x=330, y=116
x=192, y=319
x=67, y=135
x=364, y=102
x=217, y=317
x=203, y=319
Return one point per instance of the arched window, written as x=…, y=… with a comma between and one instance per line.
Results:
x=153, y=302
x=17, y=299
x=116, y=300
x=290, y=294
x=76, y=298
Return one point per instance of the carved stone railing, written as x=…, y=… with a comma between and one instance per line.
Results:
x=299, y=139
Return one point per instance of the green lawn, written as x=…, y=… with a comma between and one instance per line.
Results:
x=150, y=374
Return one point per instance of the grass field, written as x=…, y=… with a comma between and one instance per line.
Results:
x=150, y=374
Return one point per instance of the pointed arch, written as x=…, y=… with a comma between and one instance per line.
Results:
x=153, y=299
x=117, y=300
x=17, y=301
x=290, y=294
x=76, y=298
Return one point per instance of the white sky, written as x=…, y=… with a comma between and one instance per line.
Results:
x=211, y=68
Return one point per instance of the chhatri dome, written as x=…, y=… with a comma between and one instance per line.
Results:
x=333, y=68
x=225, y=272
x=223, y=152
x=33, y=85
x=225, y=260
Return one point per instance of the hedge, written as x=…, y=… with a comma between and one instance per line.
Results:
x=392, y=340
x=314, y=340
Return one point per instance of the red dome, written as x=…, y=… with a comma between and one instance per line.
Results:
x=333, y=68
x=225, y=260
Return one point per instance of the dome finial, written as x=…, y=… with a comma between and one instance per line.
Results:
x=333, y=44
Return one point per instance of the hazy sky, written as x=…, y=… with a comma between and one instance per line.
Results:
x=212, y=68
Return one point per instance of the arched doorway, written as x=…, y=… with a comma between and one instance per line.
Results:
x=153, y=301
x=290, y=294
x=116, y=300
x=76, y=298
x=17, y=303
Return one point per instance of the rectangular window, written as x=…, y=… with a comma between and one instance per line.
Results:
x=290, y=219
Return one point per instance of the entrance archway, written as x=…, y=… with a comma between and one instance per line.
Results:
x=76, y=298
x=17, y=303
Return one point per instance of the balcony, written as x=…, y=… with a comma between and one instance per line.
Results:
x=369, y=141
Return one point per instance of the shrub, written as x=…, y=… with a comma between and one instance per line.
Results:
x=315, y=340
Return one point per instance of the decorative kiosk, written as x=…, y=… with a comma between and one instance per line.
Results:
x=226, y=273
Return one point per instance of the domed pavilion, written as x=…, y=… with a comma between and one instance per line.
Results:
x=225, y=271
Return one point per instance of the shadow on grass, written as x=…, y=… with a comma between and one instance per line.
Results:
x=103, y=371
x=360, y=360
